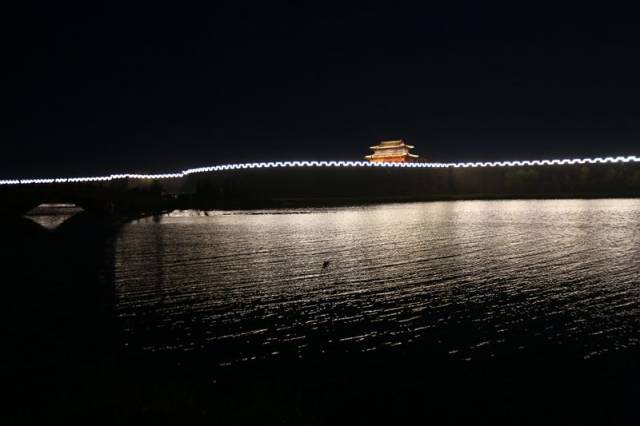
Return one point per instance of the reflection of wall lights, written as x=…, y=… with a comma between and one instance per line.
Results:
x=281, y=164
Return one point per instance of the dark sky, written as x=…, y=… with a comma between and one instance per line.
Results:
x=97, y=87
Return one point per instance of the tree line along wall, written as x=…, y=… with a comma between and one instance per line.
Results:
x=344, y=185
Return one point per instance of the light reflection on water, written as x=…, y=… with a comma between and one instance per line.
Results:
x=471, y=279
x=50, y=216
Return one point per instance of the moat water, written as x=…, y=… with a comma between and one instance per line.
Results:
x=520, y=311
x=508, y=275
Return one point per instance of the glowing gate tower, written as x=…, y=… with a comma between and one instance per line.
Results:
x=392, y=152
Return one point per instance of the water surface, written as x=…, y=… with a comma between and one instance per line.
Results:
x=468, y=280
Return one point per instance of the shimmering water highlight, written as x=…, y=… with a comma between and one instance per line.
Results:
x=470, y=279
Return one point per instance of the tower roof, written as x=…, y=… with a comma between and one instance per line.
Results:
x=394, y=144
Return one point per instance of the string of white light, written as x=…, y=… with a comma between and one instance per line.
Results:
x=286, y=164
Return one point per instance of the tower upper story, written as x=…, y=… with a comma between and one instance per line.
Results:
x=395, y=151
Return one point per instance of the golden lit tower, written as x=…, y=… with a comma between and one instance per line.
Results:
x=392, y=152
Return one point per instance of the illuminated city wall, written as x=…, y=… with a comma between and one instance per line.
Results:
x=329, y=183
x=321, y=164
x=321, y=186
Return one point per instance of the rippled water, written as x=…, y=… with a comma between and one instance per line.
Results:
x=471, y=279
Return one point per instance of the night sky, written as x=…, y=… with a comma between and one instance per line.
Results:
x=96, y=87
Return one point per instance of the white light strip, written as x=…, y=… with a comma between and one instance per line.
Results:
x=285, y=164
